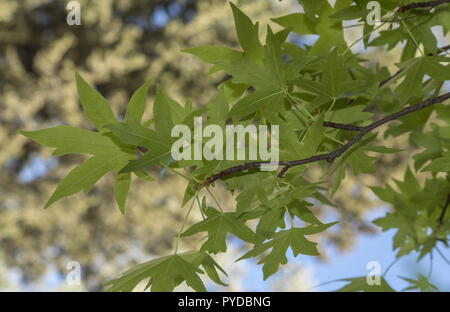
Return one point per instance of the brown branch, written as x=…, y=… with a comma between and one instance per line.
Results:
x=385, y=81
x=341, y=126
x=419, y=5
x=329, y=157
x=443, y=49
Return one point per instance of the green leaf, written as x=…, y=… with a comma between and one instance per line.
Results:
x=298, y=22
x=209, y=265
x=361, y=162
x=155, y=156
x=329, y=29
x=136, y=106
x=313, y=87
x=383, y=149
x=165, y=274
x=421, y=283
x=338, y=177
x=416, y=69
x=247, y=33
x=70, y=140
x=282, y=240
x=247, y=72
x=94, y=104
x=432, y=147
x=190, y=192
x=218, y=224
x=218, y=109
x=441, y=164
x=360, y=284
x=269, y=222
x=273, y=54
x=349, y=115
x=336, y=82
x=300, y=210
x=214, y=54
x=135, y=134
x=350, y=13
x=409, y=185
x=312, y=7
x=162, y=113
x=292, y=69
x=255, y=101
x=88, y=173
x=121, y=189
x=409, y=123
x=144, y=175
x=335, y=74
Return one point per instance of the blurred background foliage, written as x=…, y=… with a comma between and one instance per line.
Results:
x=120, y=44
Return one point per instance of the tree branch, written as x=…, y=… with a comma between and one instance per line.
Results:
x=385, y=81
x=341, y=126
x=331, y=156
x=418, y=5
x=328, y=157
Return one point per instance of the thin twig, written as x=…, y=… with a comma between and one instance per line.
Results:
x=385, y=81
x=431, y=266
x=442, y=256
x=186, y=218
x=419, y=5
x=341, y=126
x=389, y=267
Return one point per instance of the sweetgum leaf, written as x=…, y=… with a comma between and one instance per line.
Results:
x=218, y=224
x=94, y=104
x=293, y=238
x=165, y=274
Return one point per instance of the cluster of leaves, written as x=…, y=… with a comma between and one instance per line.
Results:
x=296, y=88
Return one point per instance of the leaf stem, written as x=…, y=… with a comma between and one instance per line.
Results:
x=333, y=139
x=182, y=227
x=200, y=207
x=214, y=198
x=413, y=38
x=298, y=106
x=332, y=105
x=389, y=267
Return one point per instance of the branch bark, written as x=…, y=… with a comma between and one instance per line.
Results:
x=341, y=126
x=331, y=156
x=419, y=5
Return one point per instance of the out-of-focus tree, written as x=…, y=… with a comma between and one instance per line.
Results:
x=118, y=45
